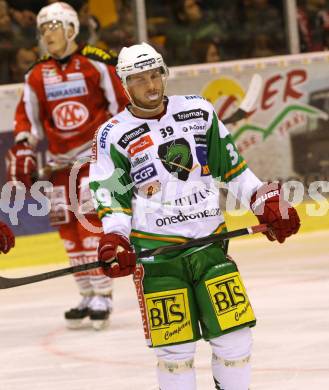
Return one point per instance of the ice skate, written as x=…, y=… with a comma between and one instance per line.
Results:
x=75, y=316
x=100, y=308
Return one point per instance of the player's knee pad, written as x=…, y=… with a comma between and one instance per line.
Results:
x=232, y=349
x=176, y=359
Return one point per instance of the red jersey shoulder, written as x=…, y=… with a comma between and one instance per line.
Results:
x=42, y=60
x=94, y=53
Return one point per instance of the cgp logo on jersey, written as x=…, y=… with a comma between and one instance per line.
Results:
x=144, y=174
x=177, y=158
x=70, y=115
x=132, y=135
x=67, y=89
x=191, y=114
x=229, y=300
x=169, y=317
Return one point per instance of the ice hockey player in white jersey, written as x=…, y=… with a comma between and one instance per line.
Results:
x=152, y=178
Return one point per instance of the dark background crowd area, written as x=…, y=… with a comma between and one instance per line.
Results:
x=184, y=31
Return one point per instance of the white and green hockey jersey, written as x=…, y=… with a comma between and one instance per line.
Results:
x=153, y=179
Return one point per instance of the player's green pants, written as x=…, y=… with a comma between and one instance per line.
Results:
x=186, y=298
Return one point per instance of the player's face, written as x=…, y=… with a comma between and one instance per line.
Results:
x=53, y=36
x=147, y=88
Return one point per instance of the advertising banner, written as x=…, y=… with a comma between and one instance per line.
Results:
x=286, y=136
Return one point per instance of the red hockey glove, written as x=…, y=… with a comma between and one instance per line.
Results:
x=21, y=163
x=114, y=246
x=269, y=207
x=7, y=238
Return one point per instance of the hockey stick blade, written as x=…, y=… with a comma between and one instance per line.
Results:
x=15, y=282
x=248, y=101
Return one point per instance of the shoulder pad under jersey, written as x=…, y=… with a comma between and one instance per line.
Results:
x=94, y=53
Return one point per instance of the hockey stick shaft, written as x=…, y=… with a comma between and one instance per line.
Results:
x=15, y=282
x=248, y=101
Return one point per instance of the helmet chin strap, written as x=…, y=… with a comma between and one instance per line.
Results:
x=68, y=48
x=147, y=110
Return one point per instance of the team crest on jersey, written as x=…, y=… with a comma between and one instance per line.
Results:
x=177, y=158
x=70, y=115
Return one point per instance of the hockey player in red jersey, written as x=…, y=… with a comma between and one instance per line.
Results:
x=67, y=95
x=7, y=238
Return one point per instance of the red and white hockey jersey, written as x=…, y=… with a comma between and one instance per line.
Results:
x=66, y=101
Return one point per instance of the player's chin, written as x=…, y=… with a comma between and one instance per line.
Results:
x=153, y=103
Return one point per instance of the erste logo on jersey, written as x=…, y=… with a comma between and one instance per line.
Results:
x=144, y=174
x=70, y=115
x=140, y=145
x=105, y=132
x=132, y=135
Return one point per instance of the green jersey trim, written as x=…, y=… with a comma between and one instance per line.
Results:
x=224, y=161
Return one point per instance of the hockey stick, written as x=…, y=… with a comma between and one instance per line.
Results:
x=248, y=102
x=15, y=282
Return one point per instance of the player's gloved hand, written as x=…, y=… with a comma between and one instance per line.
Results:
x=115, y=246
x=7, y=238
x=21, y=164
x=270, y=208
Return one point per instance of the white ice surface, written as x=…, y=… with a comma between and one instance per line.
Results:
x=288, y=286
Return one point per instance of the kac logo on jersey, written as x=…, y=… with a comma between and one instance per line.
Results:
x=144, y=174
x=70, y=115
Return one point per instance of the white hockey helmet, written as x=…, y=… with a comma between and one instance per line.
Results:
x=138, y=58
x=61, y=12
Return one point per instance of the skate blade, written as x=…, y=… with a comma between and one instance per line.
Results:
x=100, y=324
x=74, y=324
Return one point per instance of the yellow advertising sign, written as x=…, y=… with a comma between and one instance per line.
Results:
x=230, y=301
x=169, y=317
